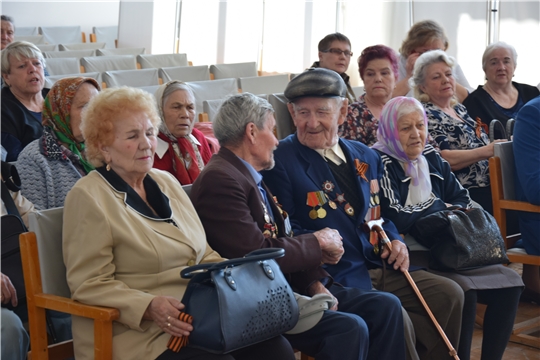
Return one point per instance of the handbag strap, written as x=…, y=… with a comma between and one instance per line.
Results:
x=8, y=201
x=496, y=123
x=257, y=255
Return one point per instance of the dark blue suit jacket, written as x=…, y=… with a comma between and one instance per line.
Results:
x=300, y=170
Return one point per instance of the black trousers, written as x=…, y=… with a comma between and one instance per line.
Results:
x=273, y=349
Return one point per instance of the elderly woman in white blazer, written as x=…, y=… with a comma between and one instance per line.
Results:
x=128, y=232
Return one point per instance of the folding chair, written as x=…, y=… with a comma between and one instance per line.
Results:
x=50, y=80
x=501, y=172
x=185, y=73
x=149, y=89
x=236, y=70
x=79, y=54
x=264, y=84
x=62, y=34
x=210, y=109
x=47, y=47
x=26, y=31
x=109, y=63
x=106, y=34
x=162, y=60
x=34, y=39
x=135, y=78
x=284, y=122
x=46, y=288
x=81, y=46
x=119, y=51
x=59, y=66
x=212, y=90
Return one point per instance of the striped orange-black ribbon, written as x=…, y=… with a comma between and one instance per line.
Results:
x=177, y=342
x=361, y=169
x=479, y=126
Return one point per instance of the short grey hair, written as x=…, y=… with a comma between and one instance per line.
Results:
x=418, y=78
x=498, y=45
x=18, y=50
x=9, y=19
x=235, y=113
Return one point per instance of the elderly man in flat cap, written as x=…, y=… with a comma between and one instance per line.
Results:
x=240, y=214
x=323, y=181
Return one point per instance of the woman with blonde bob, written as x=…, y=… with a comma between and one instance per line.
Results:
x=417, y=182
x=23, y=72
x=129, y=230
x=463, y=142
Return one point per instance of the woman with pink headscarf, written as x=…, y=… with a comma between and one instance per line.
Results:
x=417, y=182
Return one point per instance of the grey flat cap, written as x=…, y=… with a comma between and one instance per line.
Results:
x=317, y=82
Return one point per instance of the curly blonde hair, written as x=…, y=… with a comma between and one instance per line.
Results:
x=107, y=108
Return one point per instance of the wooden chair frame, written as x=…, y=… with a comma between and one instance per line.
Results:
x=38, y=302
x=521, y=332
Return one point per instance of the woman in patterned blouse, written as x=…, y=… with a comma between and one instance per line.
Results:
x=462, y=141
x=378, y=66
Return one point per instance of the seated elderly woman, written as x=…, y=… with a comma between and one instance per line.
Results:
x=378, y=67
x=22, y=96
x=137, y=230
x=500, y=98
x=52, y=164
x=462, y=141
x=418, y=182
x=182, y=150
x=424, y=36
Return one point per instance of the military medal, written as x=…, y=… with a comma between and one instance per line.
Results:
x=349, y=209
x=328, y=186
x=266, y=215
x=321, y=213
x=331, y=203
x=340, y=198
x=314, y=199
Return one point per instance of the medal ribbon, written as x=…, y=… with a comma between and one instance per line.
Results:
x=479, y=126
x=361, y=169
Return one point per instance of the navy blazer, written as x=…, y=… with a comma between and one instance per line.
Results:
x=300, y=170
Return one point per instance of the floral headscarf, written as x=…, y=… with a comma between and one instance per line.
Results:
x=56, y=114
x=388, y=142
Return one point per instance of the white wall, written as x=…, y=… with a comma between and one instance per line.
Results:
x=85, y=13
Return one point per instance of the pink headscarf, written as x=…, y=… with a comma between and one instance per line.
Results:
x=388, y=142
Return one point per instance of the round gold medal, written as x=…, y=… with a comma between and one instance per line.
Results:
x=313, y=214
x=321, y=213
x=332, y=204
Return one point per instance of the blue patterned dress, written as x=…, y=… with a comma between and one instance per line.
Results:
x=454, y=134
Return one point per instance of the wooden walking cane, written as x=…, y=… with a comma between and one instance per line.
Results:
x=375, y=225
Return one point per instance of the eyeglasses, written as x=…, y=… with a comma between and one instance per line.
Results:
x=338, y=52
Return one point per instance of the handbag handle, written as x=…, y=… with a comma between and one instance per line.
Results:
x=496, y=123
x=256, y=255
x=510, y=128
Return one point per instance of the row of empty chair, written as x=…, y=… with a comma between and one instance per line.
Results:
x=106, y=35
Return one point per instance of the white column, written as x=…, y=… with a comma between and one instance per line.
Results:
x=150, y=24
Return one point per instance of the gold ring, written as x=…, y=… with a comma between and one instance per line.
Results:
x=169, y=324
x=168, y=317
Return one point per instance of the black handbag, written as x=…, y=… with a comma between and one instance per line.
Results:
x=12, y=226
x=460, y=239
x=238, y=302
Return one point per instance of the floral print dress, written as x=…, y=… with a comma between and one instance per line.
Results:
x=360, y=124
x=453, y=134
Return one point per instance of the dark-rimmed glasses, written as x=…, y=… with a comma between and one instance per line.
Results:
x=338, y=52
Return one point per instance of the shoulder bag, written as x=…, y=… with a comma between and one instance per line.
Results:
x=238, y=302
x=460, y=239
